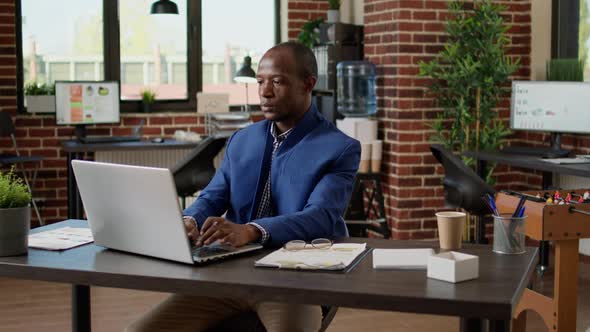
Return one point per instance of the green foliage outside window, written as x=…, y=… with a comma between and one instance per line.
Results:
x=35, y=89
x=470, y=75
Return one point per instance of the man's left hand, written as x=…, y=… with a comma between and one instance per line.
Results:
x=227, y=232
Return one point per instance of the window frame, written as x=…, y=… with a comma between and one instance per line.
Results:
x=565, y=25
x=112, y=59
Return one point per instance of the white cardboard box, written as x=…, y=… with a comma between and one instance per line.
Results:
x=453, y=266
x=362, y=129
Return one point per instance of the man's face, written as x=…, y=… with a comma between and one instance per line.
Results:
x=282, y=92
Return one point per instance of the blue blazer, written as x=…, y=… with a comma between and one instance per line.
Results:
x=311, y=180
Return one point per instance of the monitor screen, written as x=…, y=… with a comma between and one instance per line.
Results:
x=559, y=107
x=79, y=103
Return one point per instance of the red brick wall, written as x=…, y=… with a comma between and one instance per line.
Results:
x=301, y=11
x=398, y=34
x=38, y=134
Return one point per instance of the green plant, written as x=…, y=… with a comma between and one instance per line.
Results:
x=310, y=32
x=13, y=192
x=469, y=76
x=148, y=96
x=36, y=89
x=571, y=70
x=334, y=4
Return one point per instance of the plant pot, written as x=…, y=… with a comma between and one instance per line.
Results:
x=14, y=231
x=333, y=16
x=146, y=107
x=40, y=104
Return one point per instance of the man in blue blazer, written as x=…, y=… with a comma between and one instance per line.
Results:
x=286, y=178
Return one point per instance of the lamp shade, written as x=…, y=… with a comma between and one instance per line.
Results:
x=246, y=74
x=164, y=7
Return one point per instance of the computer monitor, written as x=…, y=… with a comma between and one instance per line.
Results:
x=553, y=107
x=81, y=103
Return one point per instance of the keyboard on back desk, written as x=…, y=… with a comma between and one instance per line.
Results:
x=109, y=139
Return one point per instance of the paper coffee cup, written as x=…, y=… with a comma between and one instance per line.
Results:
x=365, y=158
x=450, y=229
x=376, y=151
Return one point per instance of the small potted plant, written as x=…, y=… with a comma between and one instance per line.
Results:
x=39, y=98
x=15, y=214
x=148, y=97
x=310, y=32
x=333, y=11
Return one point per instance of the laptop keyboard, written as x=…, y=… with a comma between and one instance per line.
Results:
x=209, y=251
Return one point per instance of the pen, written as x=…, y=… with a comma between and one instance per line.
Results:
x=519, y=206
x=521, y=214
x=493, y=205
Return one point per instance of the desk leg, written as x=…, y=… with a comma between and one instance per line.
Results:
x=499, y=326
x=547, y=181
x=544, y=249
x=471, y=325
x=75, y=209
x=81, y=308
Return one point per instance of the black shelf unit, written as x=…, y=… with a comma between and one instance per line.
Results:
x=338, y=42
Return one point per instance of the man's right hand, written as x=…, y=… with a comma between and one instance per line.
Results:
x=191, y=228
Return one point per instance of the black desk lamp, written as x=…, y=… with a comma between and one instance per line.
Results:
x=246, y=75
x=164, y=7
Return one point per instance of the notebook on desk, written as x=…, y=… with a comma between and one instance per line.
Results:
x=340, y=257
x=136, y=209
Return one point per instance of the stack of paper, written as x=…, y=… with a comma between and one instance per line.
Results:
x=401, y=258
x=338, y=257
x=61, y=238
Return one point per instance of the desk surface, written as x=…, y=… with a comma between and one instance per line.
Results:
x=494, y=295
x=532, y=162
x=77, y=146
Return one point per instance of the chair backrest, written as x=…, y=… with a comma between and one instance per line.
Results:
x=6, y=124
x=463, y=187
x=194, y=172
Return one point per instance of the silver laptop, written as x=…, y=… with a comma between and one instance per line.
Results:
x=136, y=209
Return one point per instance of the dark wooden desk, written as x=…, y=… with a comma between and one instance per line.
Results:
x=493, y=296
x=76, y=150
x=535, y=163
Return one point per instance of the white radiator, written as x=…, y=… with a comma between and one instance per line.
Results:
x=575, y=182
x=152, y=158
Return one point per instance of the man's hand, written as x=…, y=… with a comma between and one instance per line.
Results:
x=191, y=228
x=227, y=232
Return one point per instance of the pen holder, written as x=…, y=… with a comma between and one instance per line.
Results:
x=509, y=234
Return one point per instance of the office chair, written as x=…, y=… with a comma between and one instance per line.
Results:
x=463, y=187
x=7, y=130
x=194, y=172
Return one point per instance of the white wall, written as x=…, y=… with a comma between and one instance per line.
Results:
x=541, y=38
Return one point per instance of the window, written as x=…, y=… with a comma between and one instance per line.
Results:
x=174, y=55
x=224, y=49
x=69, y=48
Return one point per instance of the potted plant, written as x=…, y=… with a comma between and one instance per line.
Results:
x=333, y=11
x=39, y=98
x=148, y=97
x=469, y=76
x=310, y=32
x=15, y=214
